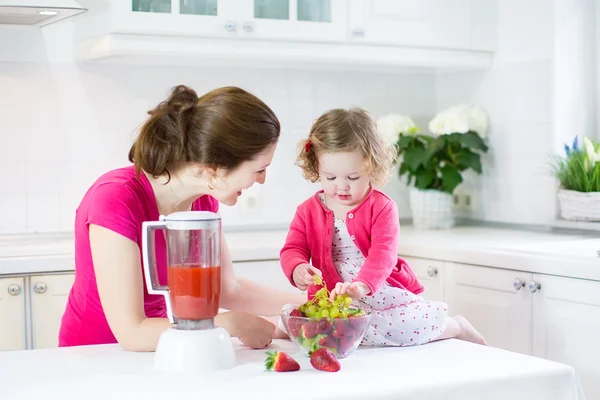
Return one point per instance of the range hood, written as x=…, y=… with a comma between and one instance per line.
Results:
x=37, y=12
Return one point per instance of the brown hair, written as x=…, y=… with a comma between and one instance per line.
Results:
x=341, y=130
x=222, y=129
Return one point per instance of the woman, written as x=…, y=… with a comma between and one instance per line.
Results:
x=191, y=154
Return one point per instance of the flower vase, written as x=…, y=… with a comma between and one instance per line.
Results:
x=431, y=209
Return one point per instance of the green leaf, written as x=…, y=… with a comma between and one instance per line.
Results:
x=415, y=157
x=450, y=178
x=467, y=159
x=424, y=178
x=472, y=140
x=435, y=146
x=404, y=142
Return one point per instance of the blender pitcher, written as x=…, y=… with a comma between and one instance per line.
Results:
x=193, y=241
x=193, y=247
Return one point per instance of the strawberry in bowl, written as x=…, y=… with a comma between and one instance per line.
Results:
x=337, y=325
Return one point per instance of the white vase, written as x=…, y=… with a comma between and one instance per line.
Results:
x=579, y=206
x=431, y=209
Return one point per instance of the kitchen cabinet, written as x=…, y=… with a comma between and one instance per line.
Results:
x=431, y=274
x=566, y=324
x=31, y=308
x=13, y=325
x=495, y=302
x=268, y=273
x=361, y=34
x=49, y=294
x=556, y=318
x=425, y=23
x=313, y=20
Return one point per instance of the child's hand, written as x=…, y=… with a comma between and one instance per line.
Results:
x=355, y=290
x=303, y=276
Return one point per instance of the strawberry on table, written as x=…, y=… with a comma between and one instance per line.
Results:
x=280, y=362
x=324, y=360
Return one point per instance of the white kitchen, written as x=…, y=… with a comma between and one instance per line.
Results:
x=509, y=239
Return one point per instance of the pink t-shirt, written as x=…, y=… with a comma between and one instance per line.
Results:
x=121, y=202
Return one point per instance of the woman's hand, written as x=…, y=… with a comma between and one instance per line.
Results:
x=355, y=290
x=304, y=276
x=253, y=331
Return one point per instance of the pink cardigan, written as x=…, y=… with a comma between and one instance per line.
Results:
x=373, y=225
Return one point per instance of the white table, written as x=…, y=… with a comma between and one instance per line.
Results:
x=451, y=369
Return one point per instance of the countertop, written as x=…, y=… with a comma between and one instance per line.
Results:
x=547, y=252
x=449, y=369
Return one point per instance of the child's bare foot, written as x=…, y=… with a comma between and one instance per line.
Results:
x=468, y=332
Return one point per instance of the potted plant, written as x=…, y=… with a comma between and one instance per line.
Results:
x=433, y=163
x=578, y=173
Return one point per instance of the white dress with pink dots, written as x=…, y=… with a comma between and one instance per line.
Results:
x=399, y=317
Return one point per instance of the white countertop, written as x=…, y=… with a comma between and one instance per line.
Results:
x=450, y=369
x=572, y=255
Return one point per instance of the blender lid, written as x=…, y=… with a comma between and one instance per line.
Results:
x=191, y=216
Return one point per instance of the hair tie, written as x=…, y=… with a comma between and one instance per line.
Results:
x=307, y=146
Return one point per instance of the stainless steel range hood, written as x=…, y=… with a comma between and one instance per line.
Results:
x=37, y=12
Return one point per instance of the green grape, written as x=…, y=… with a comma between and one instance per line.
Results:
x=334, y=312
x=311, y=309
x=348, y=300
x=323, y=303
x=344, y=313
x=324, y=313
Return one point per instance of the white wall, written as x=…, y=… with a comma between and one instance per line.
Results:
x=539, y=94
x=63, y=124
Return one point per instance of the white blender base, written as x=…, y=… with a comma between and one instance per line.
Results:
x=194, y=350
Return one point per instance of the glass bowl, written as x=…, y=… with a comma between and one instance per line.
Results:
x=340, y=335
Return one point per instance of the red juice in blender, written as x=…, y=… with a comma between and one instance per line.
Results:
x=195, y=291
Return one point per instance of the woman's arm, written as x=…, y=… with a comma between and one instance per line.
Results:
x=118, y=271
x=246, y=295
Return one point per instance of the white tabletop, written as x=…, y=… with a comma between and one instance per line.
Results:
x=450, y=369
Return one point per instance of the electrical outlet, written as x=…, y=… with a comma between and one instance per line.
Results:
x=463, y=200
x=249, y=202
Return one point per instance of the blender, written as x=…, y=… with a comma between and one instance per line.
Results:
x=193, y=247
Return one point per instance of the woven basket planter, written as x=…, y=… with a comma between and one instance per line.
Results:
x=431, y=209
x=579, y=206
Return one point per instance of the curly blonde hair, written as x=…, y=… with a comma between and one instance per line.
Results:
x=341, y=130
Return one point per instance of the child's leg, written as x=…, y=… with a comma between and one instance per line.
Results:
x=459, y=328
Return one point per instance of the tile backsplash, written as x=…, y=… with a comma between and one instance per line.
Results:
x=64, y=124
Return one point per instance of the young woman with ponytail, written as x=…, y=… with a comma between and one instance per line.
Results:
x=192, y=153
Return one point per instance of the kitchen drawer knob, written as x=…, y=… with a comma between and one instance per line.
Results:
x=14, y=290
x=432, y=272
x=534, y=286
x=40, y=287
x=248, y=26
x=518, y=284
x=230, y=26
x=358, y=33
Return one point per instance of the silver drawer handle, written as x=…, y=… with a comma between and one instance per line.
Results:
x=230, y=26
x=40, y=287
x=534, y=286
x=518, y=284
x=248, y=26
x=14, y=290
x=432, y=272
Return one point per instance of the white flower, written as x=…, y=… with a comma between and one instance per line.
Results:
x=392, y=125
x=593, y=156
x=461, y=118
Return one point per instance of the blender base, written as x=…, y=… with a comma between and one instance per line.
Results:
x=192, y=351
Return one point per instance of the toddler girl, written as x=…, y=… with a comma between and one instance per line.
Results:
x=348, y=233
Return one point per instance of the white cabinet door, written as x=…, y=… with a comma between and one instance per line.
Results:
x=303, y=20
x=431, y=275
x=566, y=326
x=491, y=300
x=207, y=18
x=49, y=295
x=12, y=314
x=422, y=23
x=268, y=273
